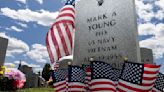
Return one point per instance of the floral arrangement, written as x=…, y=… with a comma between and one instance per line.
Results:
x=11, y=76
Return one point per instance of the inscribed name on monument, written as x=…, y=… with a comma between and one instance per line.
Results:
x=106, y=32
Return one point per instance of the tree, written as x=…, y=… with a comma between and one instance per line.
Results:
x=46, y=71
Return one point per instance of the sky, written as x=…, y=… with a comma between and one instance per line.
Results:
x=25, y=23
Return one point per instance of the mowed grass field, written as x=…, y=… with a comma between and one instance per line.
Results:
x=37, y=90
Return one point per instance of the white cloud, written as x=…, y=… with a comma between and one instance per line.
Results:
x=40, y=1
x=160, y=3
x=157, y=41
x=8, y=28
x=14, y=28
x=22, y=24
x=38, y=53
x=160, y=14
x=15, y=46
x=9, y=64
x=41, y=17
x=28, y=64
x=22, y=1
x=36, y=70
x=145, y=11
x=146, y=29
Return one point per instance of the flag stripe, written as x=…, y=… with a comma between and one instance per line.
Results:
x=59, y=40
x=103, y=89
x=102, y=81
x=68, y=7
x=65, y=18
x=76, y=86
x=65, y=21
x=150, y=75
x=151, y=66
x=49, y=49
x=67, y=11
x=62, y=37
x=148, y=78
x=68, y=33
x=102, y=84
x=130, y=86
x=52, y=48
x=155, y=90
x=66, y=38
x=55, y=43
x=59, y=86
x=66, y=15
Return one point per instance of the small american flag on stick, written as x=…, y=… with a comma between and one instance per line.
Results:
x=137, y=77
x=87, y=69
x=159, y=83
x=76, y=79
x=60, y=80
x=101, y=77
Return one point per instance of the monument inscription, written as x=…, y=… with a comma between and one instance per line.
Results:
x=106, y=32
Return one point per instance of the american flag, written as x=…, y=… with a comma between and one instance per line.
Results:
x=59, y=38
x=76, y=79
x=56, y=65
x=87, y=69
x=159, y=83
x=116, y=75
x=60, y=80
x=137, y=77
x=101, y=77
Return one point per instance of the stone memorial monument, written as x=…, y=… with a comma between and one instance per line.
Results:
x=3, y=48
x=106, y=30
x=146, y=55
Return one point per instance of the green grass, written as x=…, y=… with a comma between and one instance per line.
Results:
x=36, y=90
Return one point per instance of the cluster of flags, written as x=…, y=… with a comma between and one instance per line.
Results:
x=102, y=77
x=69, y=80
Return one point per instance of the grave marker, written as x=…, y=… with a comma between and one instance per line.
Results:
x=146, y=55
x=106, y=30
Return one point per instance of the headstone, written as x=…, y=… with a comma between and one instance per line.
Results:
x=64, y=62
x=106, y=30
x=31, y=78
x=3, y=47
x=146, y=55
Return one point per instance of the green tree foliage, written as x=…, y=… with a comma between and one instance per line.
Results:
x=46, y=71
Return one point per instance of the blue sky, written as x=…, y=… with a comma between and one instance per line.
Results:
x=25, y=23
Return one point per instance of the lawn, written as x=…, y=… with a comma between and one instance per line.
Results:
x=37, y=90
